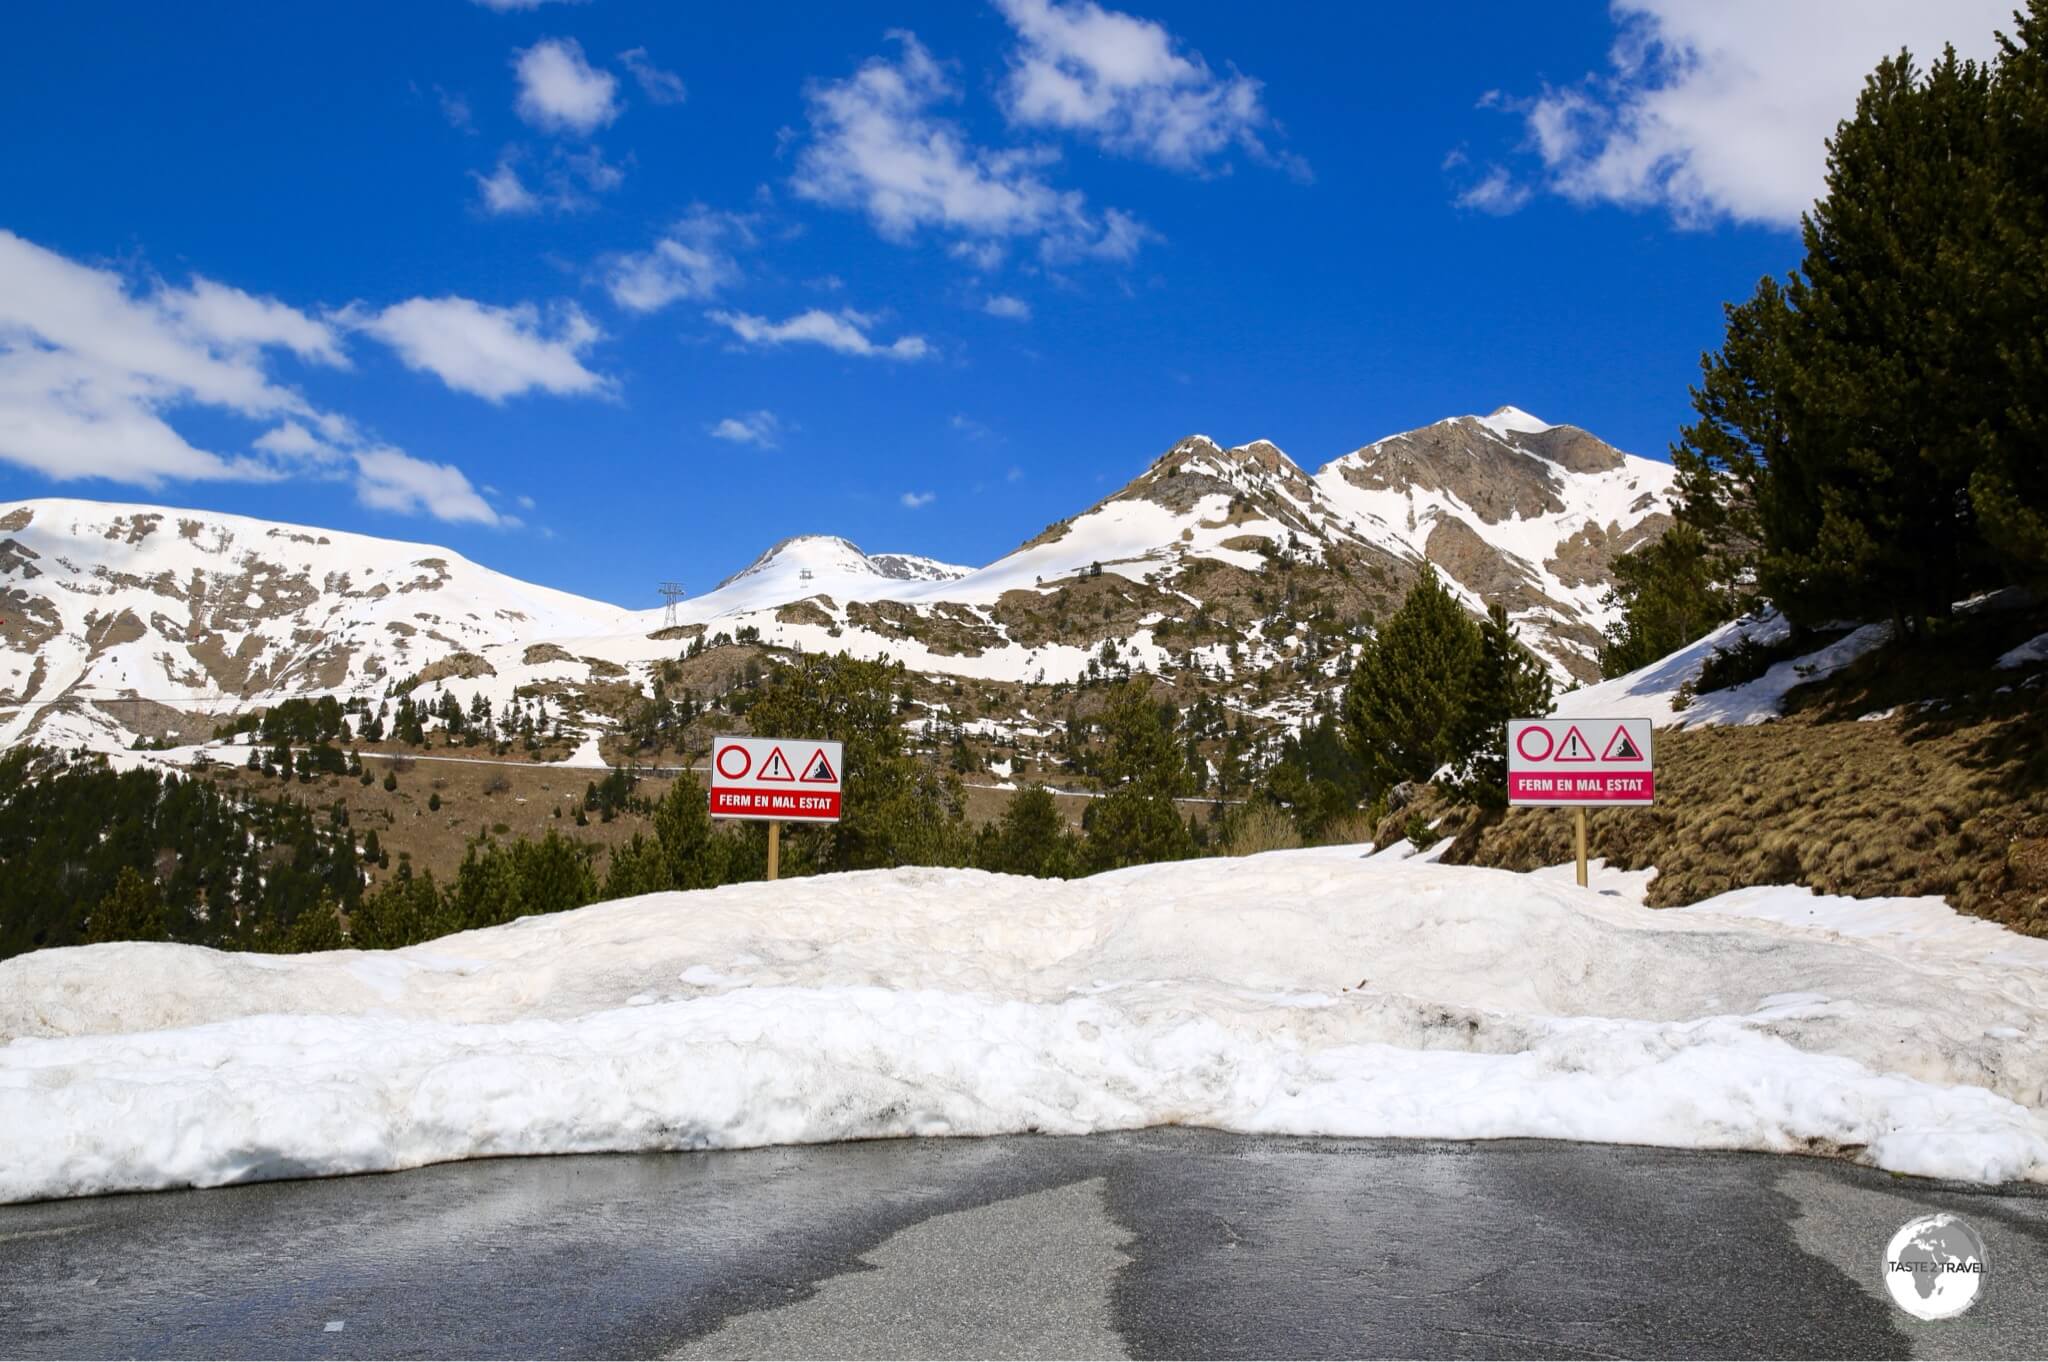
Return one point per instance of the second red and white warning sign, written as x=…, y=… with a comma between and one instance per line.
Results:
x=792, y=778
x=1580, y=761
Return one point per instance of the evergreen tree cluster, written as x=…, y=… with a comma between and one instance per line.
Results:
x=1872, y=434
x=1432, y=689
x=91, y=854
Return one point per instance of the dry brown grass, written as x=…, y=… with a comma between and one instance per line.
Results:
x=1254, y=828
x=479, y=795
x=1350, y=830
x=1955, y=806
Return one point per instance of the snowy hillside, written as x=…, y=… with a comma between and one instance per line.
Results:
x=139, y=615
x=1313, y=992
x=817, y=565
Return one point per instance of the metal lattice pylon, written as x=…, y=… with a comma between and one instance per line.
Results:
x=671, y=592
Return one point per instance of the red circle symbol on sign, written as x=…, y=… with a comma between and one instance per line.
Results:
x=735, y=753
x=1535, y=731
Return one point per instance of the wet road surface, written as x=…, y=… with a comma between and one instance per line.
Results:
x=1152, y=1243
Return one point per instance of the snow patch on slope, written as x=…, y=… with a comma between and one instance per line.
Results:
x=1512, y=421
x=1651, y=692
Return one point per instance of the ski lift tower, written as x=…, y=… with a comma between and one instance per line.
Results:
x=671, y=592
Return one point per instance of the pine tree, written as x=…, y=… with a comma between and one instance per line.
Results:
x=318, y=928
x=1666, y=594
x=693, y=853
x=1871, y=434
x=1507, y=682
x=133, y=911
x=1144, y=771
x=896, y=810
x=2009, y=488
x=405, y=910
x=637, y=868
x=1402, y=706
x=1031, y=838
x=553, y=874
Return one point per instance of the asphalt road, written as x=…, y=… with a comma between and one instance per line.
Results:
x=1157, y=1243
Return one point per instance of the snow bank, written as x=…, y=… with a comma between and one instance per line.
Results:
x=1311, y=992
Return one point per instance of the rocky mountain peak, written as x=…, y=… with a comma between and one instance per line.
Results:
x=1506, y=466
x=1197, y=466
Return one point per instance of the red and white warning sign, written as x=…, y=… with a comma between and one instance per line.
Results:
x=1580, y=761
x=793, y=778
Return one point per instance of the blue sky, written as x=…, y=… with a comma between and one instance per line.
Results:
x=603, y=293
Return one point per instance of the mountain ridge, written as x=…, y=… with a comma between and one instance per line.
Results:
x=1233, y=562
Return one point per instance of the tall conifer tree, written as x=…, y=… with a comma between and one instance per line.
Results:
x=1402, y=706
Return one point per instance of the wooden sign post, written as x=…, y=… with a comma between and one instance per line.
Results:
x=1579, y=763
x=1578, y=845
x=774, y=779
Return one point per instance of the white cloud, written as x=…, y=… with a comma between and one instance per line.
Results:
x=291, y=440
x=1495, y=192
x=561, y=92
x=504, y=193
x=92, y=369
x=491, y=352
x=660, y=87
x=236, y=319
x=845, y=331
x=590, y=166
x=876, y=146
x=986, y=256
x=559, y=185
x=918, y=500
x=392, y=480
x=692, y=260
x=1720, y=111
x=761, y=428
x=1008, y=307
x=1118, y=80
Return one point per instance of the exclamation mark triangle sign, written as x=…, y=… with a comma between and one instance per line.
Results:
x=820, y=771
x=1621, y=747
x=1574, y=747
x=775, y=768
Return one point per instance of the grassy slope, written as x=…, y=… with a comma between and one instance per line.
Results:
x=1948, y=795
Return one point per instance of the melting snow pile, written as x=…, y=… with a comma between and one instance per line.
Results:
x=1312, y=992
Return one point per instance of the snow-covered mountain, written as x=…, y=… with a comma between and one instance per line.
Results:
x=133, y=617
x=816, y=564
x=1231, y=562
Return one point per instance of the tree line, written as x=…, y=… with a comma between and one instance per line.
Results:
x=1871, y=437
x=98, y=855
